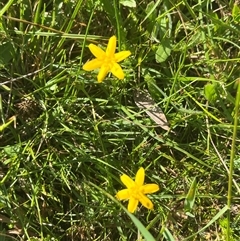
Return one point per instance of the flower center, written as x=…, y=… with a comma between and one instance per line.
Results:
x=135, y=192
x=109, y=60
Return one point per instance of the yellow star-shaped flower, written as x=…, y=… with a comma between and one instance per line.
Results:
x=106, y=61
x=136, y=191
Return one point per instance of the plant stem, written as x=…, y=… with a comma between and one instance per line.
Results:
x=232, y=155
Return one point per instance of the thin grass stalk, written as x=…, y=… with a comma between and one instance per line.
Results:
x=116, y=10
x=232, y=155
x=86, y=33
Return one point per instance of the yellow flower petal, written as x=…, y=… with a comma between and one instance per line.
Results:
x=123, y=194
x=121, y=55
x=132, y=205
x=103, y=73
x=117, y=71
x=127, y=181
x=136, y=191
x=146, y=202
x=149, y=188
x=111, y=48
x=107, y=61
x=140, y=177
x=96, y=51
x=92, y=64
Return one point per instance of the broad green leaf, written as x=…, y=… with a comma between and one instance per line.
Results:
x=152, y=15
x=236, y=12
x=153, y=8
x=159, y=29
x=190, y=198
x=6, y=50
x=128, y=3
x=162, y=24
x=210, y=92
x=12, y=152
x=151, y=11
x=163, y=51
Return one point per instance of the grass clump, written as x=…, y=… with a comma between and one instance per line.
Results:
x=66, y=139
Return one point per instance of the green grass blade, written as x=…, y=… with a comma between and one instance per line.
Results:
x=167, y=235
x=146, y=234
x=6, y=7
x=212, y=221
x=232, y=156
x=190, y=198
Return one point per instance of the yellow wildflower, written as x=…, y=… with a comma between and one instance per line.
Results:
x=136, y=191
x=106, y=61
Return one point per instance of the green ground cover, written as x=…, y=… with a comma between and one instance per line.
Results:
x=66, y=139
